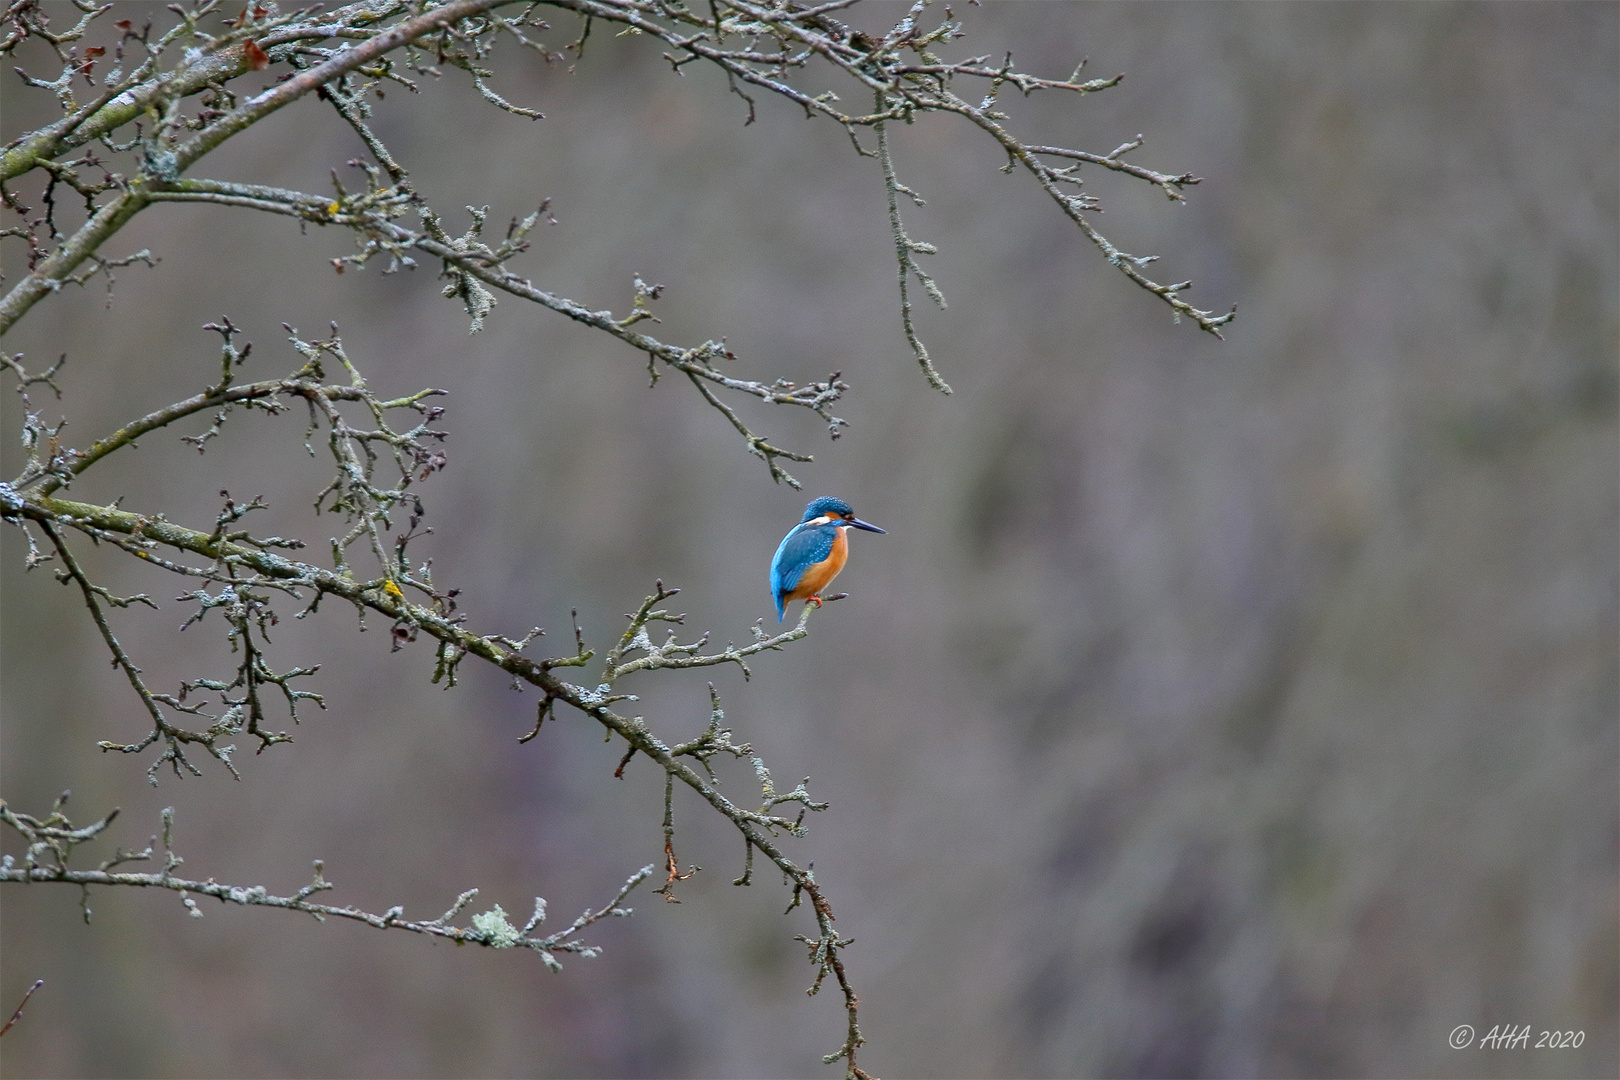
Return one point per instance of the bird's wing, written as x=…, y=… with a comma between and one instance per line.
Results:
x=802, y=548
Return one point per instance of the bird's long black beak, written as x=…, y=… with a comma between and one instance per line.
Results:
x=869, y=527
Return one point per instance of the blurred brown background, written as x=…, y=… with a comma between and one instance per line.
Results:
x=1211, y=709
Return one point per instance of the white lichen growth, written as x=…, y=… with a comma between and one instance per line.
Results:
x=497, y=931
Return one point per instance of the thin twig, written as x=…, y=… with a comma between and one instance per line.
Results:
x=17, y=1015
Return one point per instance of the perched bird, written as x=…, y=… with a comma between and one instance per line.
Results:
x=813, y=552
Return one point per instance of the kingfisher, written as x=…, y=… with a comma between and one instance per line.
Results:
x=813, y=552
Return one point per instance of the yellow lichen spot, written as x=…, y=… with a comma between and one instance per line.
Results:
x=393, y=590
x=332, y=208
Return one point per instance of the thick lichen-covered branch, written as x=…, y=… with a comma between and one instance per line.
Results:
x=164, y=160
x=211, y=61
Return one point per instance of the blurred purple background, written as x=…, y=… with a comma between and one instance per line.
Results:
x=1211, y=709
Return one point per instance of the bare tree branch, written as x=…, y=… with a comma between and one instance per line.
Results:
x=166, y=98
x=55, y=836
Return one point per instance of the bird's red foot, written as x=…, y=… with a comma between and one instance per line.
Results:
x=816, y=600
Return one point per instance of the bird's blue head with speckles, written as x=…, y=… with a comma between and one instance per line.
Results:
x=827, y=506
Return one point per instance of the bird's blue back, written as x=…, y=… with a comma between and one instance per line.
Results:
x=803, y=547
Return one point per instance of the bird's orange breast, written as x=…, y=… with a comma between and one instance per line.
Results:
x=817, y=576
